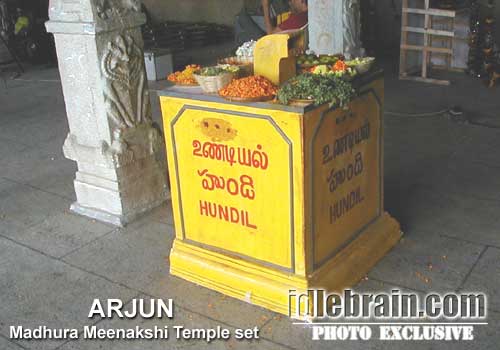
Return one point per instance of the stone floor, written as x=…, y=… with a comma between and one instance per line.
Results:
x=442, y=183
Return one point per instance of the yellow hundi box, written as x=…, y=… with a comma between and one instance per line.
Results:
x=269, y=198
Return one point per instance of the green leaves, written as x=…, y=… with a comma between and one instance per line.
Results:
x=320, y=88
x=214, y=71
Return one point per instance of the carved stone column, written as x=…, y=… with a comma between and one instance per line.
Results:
x=118, y=149
x=335, y=27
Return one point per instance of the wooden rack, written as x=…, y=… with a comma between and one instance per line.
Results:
x=427, y=47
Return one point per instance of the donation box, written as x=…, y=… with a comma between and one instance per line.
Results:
x=269, y=198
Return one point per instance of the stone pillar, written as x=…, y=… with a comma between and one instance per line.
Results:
x=335, y=27
x=118, y=149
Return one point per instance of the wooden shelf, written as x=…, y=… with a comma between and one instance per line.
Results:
x=427, y=49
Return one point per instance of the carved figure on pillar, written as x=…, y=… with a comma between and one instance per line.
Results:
x=119, y=152
x=110, y=8
x=126, y=95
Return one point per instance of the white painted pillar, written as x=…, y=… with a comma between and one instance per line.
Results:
x=335, y=27
x=119, y=152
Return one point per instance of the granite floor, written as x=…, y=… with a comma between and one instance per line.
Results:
x=442, y=182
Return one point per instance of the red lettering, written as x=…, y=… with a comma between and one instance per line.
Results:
x=256, y=158
x=196, y=148
x=235, y=215
x=203, y=208
x=232, y=187
x=247, y=221
x=213, y=213
x=223, y=212
x=226, y=213
x=243, y=186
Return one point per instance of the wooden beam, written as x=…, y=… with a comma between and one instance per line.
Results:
x=442, y=50
x=428, y=31
x=432, y=12
x=404, y=39
x=426, y=80
x=452, y=69
x=425, y=54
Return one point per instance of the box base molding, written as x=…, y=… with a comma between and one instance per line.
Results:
x=270, y=288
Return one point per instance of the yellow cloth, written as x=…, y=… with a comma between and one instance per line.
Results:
x=283, y=17
x=21, y=23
